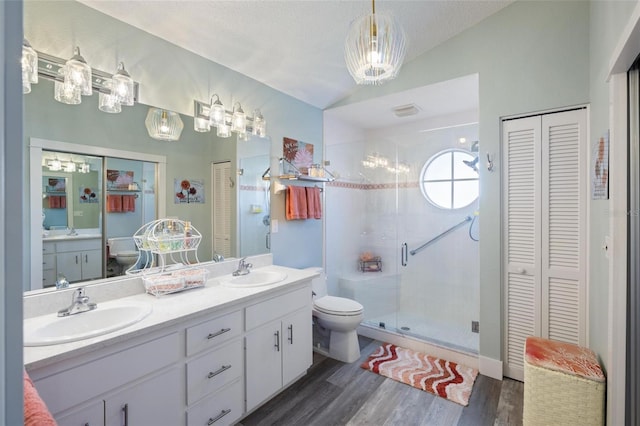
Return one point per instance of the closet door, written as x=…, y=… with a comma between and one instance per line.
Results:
x=221, y=213
x=544, y=232
x=521, y=237
x=564, y=245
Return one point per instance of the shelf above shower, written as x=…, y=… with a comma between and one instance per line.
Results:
x=316, y=173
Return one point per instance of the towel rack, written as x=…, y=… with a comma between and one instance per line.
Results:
x=297, y=174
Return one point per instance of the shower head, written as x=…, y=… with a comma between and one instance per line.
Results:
x=473, y=163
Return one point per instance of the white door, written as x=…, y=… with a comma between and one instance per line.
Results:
x=221, y=212
x=544, y=231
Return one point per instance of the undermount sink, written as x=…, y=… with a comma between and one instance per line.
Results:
x=253, y=279
x=106, y=318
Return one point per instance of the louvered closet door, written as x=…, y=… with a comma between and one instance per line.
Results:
x=521, y=149
x=564, y=189
x=221, y=178
x=544, y=232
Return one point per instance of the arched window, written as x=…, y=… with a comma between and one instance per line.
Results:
x=449, y=179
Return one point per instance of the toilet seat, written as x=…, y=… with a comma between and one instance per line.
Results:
x=338, y=306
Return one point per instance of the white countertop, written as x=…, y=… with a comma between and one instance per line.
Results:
x=70, y=237
x=167, y=310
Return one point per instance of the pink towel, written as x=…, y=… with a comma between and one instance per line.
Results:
x=128, y=203
x=114, y=203
x=54, y=202
x=314, y=205
x=36, y=412
x=296, y=203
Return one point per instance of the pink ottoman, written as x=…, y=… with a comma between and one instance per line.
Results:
x=563, y=384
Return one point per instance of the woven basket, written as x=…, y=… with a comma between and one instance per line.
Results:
x=561, y=398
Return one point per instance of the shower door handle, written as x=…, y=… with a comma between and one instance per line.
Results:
x=404, y=254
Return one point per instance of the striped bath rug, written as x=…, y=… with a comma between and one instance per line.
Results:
x=437, y=376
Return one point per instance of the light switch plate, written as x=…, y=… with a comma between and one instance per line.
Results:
x=274, y=226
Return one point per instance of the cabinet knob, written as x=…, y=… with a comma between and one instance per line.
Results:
x=277, y=345
x=217, y=333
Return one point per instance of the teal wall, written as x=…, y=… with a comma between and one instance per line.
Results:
x=530, y=56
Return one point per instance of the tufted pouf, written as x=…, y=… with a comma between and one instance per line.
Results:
x=563, y=384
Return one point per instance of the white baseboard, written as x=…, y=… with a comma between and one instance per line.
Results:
x=490, y=367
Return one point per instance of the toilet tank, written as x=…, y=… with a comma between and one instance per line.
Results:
x=319, y=283
x=121, y=245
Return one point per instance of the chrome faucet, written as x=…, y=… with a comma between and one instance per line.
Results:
x=72, y=231
x=217, y=257
x=79, y=303
x=243, y=268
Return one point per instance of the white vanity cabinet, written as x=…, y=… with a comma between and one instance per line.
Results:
x=79, y=260
x=280, y=350
x=49, y=274
x=139, y=378
x=193, y=369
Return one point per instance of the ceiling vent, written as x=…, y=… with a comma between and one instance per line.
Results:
x=406, y=110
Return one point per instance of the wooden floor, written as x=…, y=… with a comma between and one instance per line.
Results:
x=335, y=393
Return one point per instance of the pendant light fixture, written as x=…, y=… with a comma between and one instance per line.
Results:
x=122, y=86
x=163, y=125
x=375, y=48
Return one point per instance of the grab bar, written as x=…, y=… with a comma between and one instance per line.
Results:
x=436, y=238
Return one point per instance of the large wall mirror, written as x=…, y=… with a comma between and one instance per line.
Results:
x=81, y=134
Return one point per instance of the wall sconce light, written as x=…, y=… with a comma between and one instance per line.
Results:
x=54, y=165
x=163, y=125
x=75, y=78
x=215, y=115
x=29, y=66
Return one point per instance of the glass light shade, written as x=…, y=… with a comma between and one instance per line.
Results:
x=201, y=124
x=109, y=103
x=66, y=93
x=216, y=112
x=374, y=49
x=122, y=86
x=55, y=165
x=243, y=137
x=238, y=120
x=223, y=130
x=259, y=124
x=70, y=167
x=163, y=125
x=29, y=66
x=78, y=73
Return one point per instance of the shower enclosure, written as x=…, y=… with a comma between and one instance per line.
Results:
x=402, y=230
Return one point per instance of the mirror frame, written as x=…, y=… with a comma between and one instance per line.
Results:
x=36, y=146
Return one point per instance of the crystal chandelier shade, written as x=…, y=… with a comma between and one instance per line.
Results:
x=77, y=73
x=163, y=125
x=122, y=86
x=374, y=49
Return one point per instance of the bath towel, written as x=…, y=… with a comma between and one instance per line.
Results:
x=314, y=205
x=114, y=203
x=54, y=201
x=296, y=203
x=36, y=412
x=63, y=201
x=128, y=203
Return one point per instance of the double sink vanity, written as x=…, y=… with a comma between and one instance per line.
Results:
x=205, y=356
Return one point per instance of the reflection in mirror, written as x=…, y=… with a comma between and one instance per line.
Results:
x=79, y=186
x=253, y=197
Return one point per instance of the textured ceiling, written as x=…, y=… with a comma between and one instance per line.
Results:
x=294, y=46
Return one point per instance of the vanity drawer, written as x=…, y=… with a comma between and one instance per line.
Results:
x=48, y=261
x=79, y=245
x=71, y=387
x=48, y=248
x=220, y=409
x=210, y=372
x=269, y=310
x=210, y=333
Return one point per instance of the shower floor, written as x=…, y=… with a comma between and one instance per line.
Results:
x=447, y=335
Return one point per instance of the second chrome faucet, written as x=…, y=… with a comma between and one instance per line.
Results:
x=79, y=303
x=243, y=268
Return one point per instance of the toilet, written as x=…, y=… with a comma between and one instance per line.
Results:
x=123, y=249
x=340, y=317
